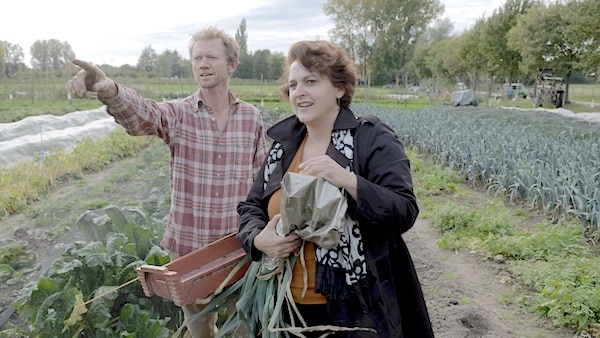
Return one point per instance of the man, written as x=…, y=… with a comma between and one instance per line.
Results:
x=216, y=141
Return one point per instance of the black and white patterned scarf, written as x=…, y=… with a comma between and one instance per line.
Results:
x=348, y=256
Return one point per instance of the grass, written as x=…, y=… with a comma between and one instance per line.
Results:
x=16, y=110
x=585, y=92
x=29, y=181
x=51, y=97
x=550, y=259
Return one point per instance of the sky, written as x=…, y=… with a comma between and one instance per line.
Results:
x=116, y=31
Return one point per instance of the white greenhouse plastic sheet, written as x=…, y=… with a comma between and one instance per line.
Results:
x=35, y=136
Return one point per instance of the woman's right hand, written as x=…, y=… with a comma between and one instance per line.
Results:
x=273, y=245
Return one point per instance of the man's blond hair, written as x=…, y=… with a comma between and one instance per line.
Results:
x=232, y=48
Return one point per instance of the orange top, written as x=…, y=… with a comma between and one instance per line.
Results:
x=297, y=283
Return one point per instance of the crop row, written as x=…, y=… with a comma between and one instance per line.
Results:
x=542, y=159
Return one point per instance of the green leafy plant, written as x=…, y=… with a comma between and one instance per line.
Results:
x=546, y=161
x=15, y=260
x=568, y=288
x=552, y=260
x=104, y=274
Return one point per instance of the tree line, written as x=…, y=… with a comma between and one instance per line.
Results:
x=399, y=41
x=53, y=58
x=405, y=41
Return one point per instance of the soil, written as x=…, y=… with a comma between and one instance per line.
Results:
x=467, y=295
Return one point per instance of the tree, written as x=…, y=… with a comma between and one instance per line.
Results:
x=262, y=64
x=584, y=27
x=3, y=59
x=11, y=59
x=352, y=30
x=553, y=40
x=440, y=30
x=499, y=56
x=277, y=60
x=147, y=61
x=472, y=57
x=51, y=55
x=398, y=24
x=244, y=69
x=169, y=64
x=435, y=59
x=419, y=64
x=242, y=38
x=386, y=29
x=471, y=52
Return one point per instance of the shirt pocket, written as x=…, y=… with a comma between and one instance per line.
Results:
x=243, y=162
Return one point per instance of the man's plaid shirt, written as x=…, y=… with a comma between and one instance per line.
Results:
x=211, y=171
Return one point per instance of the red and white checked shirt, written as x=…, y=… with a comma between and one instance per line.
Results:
x=211, y=171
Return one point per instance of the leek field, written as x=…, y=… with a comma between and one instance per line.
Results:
x=531, y=161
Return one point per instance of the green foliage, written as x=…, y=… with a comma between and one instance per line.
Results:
x=135, y=322
x=569, y=288
x=16, y=110
x=15, y=260
x=263, y=298
x=545, y=160
x=102, y=271
x=8, y=274
x=452, y=217
x=545, y=240
x=95, y=204
x=14, y=254
x=433, y=180
x=462, y=226
x=552, y=259
x=27, y=182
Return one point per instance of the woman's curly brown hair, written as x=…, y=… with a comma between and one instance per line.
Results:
x=326, y=59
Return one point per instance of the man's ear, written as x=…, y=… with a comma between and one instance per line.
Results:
x=232, y=67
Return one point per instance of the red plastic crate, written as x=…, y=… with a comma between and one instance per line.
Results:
x=196, y=275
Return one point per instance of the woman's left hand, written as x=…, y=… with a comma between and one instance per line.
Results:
x=325, y=167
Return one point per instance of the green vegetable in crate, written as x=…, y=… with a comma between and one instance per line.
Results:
x=315, y=210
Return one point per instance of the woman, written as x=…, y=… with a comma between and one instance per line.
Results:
x=369, y=280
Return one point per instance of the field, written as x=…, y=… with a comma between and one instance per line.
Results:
x=19, y=100
x=494, y=258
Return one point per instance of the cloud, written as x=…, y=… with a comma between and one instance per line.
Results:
x=116, y=31
x=464, y=14
x=276, y=27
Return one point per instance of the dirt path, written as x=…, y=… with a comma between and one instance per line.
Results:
x=467, y=296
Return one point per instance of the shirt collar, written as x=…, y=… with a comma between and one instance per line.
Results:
x=234, y=102
x=291, y=127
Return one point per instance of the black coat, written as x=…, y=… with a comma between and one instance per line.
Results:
x=386, y=208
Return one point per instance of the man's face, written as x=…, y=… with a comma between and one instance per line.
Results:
x=209, y=63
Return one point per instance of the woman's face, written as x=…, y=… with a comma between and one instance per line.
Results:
x=312, y=96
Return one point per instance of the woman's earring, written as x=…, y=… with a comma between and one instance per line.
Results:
x=338, y=101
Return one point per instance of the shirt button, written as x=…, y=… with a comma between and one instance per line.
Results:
x=213, y=119
x=217, y=194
